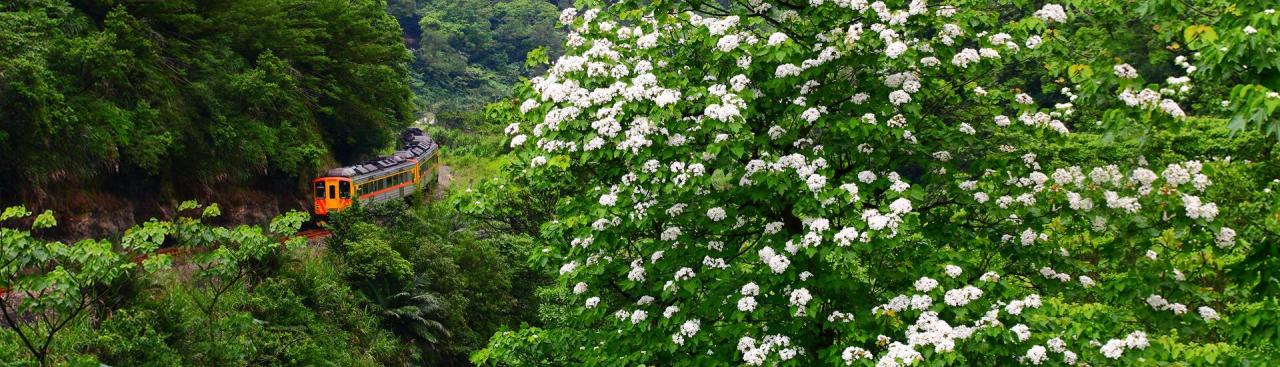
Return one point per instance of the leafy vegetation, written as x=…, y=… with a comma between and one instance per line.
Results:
x=395, y=285
x=467, y=53
x=904, y=183
x=178, y=97
x=830, y=182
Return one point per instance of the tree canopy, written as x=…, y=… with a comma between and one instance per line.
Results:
x=468, y=53
x=192, y=92
x=846, y=182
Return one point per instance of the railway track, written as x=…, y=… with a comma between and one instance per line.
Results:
x=314, y=234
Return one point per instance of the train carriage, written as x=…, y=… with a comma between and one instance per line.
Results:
x=411, y=169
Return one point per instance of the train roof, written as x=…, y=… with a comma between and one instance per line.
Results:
x=414, y=145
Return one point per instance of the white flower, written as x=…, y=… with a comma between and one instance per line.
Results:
x=1037, y=355
x=1125, y=71
x=639, y=316
x=608, y=199
x=962, y=296
x=866, y=177
x=965, y=57
x=728, y=43
x=1015, y=307
x=777, y=262
x=1226, y=237
x=1021, y=331
x=671, y=234
x=1052, y=13
x=1170, y=107
x=1028, y=237
x=926, y=284
x=1157, y=302
x=981, y=197
x=690, y=327
x=895, y=49
x=645, y=300
x=567, y=15
x=846, y=236
x=747, y=304
x=1113, y=349
x=1086, y=281
x=786, y=70
x=773, y=228
x=811, y=114
x=518, y=140
x=989, y=277
x=1250, y=30
x=800, y=297
x=647, y=41
x=579, y=288
x=568, y=267
x=1208, y=314
x=953, y=271
x=777, y=38
x=921, y=302
x=1056, y=345
x=851, y=354
x=592, y=302
x=716, y=214
x=685, y=273
x=899, y=97
x=1136, y=340
x=1024, y=98
x=1033, y=42
x=1002, y=120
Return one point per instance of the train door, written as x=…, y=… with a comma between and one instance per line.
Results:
x=319, y=195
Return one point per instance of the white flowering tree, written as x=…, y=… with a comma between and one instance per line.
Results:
x=844, y=182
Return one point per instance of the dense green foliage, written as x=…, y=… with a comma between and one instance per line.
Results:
x=440, y=280
x=467, y=53
x=157, y=96
x=846, y=182
x=394, y=285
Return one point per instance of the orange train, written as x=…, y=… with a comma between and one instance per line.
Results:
x=411, y=169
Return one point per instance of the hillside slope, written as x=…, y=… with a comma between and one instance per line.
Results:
x=136, y=104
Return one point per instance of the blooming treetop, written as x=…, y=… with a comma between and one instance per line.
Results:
x=854, y=182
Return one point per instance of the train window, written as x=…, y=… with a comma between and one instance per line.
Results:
x=344, y=190
x=333, y=192
x=319, y=192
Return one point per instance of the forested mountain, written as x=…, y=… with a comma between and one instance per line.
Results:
x=470, y=52
x=189, y=97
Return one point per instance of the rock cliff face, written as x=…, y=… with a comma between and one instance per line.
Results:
x=92, y=214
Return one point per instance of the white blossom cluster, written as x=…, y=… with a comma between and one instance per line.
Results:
x=680, y=153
